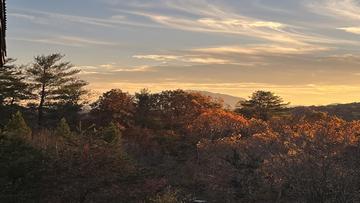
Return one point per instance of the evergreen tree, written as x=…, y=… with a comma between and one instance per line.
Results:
x=13, y=87
x=54, y=82
x=17, y=126
x=143, y=108
x=63, y=129
x=262, y=105
x=21, y=169
x=111, y=133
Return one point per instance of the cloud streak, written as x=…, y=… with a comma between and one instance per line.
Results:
x=354, y=30
x=157, y=57
x=229, y=24
x=262, y=49
x=345, y=11
x=71, y=41
x=48, y=18
x=112, y=69
x=207, y=17
x=194, y=59
x=335, y=8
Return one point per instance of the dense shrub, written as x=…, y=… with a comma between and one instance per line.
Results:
x=21, y=169
x=63, y=129
x=17, y=126
x=110, y=133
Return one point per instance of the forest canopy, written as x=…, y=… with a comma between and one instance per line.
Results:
x=169, y=146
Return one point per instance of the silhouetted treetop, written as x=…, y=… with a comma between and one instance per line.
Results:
x=54, y=82
x=262, y=105
x=13, y=86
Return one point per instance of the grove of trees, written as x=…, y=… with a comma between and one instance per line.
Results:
x=165, y=147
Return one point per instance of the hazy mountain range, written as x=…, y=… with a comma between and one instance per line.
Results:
x=229, y=100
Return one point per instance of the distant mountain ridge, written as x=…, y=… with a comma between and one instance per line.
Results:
x=229, y=100
x=348, y=112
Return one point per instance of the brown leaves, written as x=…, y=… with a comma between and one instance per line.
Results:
x=307, y=161
x=216, y=123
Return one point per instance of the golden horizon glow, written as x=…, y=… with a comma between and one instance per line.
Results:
x=306, y=51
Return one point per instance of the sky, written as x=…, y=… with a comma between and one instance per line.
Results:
x=306, y=51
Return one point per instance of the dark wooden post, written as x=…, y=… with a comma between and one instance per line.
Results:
x=2, y=32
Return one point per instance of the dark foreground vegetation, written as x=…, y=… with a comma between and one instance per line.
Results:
x=167, y=147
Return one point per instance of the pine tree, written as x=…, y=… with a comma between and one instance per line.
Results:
x=21, y=169
x=13, y=87
x=17, y=126
x=63, y=129
x=143, y=108
x=111, y=133
x=55, y=82
x=262, y=105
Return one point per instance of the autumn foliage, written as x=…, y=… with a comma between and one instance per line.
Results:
x=178, y=146
x=214, y=124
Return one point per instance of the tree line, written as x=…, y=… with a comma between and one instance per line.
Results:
x=50, y=84
x=170, y=146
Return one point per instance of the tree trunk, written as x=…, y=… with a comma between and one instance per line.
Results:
x=41, y=107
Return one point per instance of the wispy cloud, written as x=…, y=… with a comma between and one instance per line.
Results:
x=196, y=16
x=238, y=25
x=112, y=68
x=67, y=41
x=208, y=60
x=194, y=59
x=136, y=69
x=80, y=40
x=157, y=57
x=246, y=55
x=337, y=8
x=23, y=16
x=350, y=59
x=206, y=16
x=354, y=30
x=344, y=11
x=43, y=17
x=262, y=49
